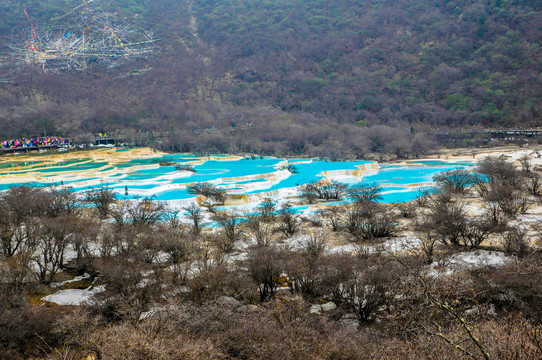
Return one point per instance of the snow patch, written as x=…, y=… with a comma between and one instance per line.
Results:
x=403, y=243
x=392, y=245
x=318, y=309
x=474, y=210
x=469, y=260
x=530, y=218
x=343, y=249
x=480, y=258
x=75, y=296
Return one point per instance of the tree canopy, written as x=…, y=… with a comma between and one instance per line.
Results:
x=295, y=76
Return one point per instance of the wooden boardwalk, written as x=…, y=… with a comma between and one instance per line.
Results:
x=500, y=134
x=516, y=132
x=105, y=140
x=29, y=148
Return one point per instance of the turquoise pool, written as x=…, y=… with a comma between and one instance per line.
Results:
x=247, y=180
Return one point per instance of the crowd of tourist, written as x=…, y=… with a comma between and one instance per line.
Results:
x=34, y=142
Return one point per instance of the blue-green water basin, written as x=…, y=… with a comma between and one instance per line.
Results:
x=256, y=178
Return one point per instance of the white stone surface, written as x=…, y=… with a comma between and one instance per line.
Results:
x=75, y=296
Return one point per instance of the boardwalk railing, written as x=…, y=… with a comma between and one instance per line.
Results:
x=105, y=140
x=30, y=148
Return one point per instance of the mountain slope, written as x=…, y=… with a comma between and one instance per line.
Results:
x=310, y=72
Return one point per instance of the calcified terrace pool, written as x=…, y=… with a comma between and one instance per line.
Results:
x=246, y=180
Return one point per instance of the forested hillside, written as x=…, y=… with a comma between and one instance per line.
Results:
x=330, y=78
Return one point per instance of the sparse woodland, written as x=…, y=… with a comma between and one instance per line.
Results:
x=359, y=281
x=453, y=274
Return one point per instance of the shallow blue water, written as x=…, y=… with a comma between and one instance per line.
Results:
x=215, y=169
x=407, y=175
x=146, y=178
x=308, y=172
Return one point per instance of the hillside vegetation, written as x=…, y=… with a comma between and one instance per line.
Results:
x=329, y=78
x=453, y=274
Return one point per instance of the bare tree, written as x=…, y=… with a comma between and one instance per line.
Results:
x=441, y=301
x=259, y=229
x=510, y=199
x=208, y=190
x=267, y=209
x=323, y=190
x=447, y=218
x=534, y=182
x=363, y=294
x=128, y=295
x=288, y=221
x=60, y=202
x=515, y=241
x=309, y=192
x=16, y=272
x=85, y=233
x=474, y=232
x=407, y=209
x=305, y=268
x=422, y=197
x=264, y=265
x=498, y=170
x=429, y=239
x=532, y=176
x=195, y=214
x=333, y=215
x=11, y=235
x=178, y=247
x=229, y=223
x=360, y=287
x=20, y=207
x=102, y=198
x=54, y=239
x=369, y=220
x=145, y=212
x=457, y=181
x=365, y=192
x=494, y=214
x=171, y=217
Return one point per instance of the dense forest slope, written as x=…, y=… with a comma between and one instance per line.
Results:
x=329, y=78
